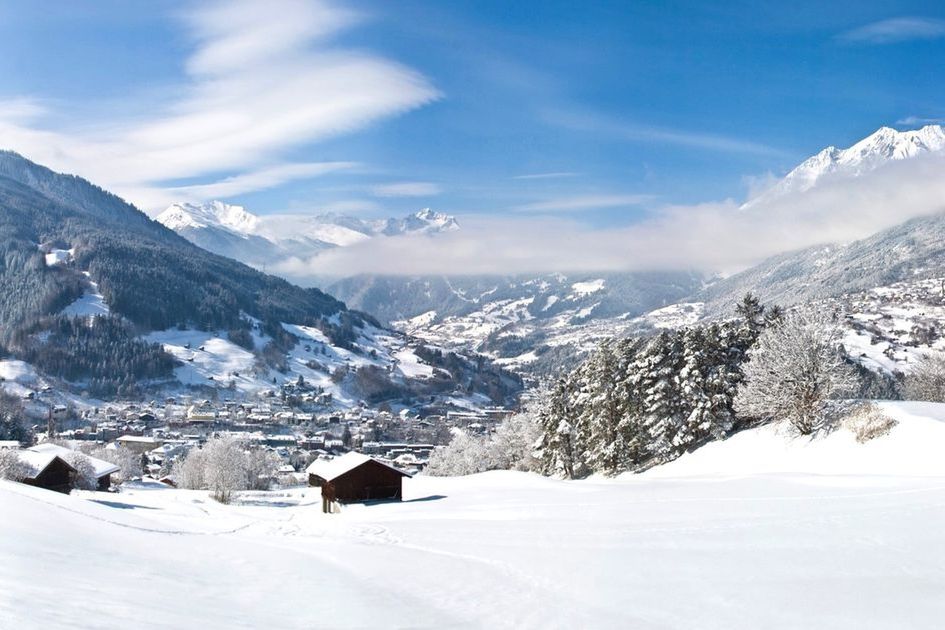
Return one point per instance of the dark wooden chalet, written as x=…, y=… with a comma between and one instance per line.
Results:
x=49, y=471
x=357, y=477
x=103, y=469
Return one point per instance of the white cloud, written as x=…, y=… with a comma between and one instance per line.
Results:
x=895, y=30
x=583, y=202
x=917, y=121
x=263, y=78
x=260, y=180
x=407, y=189
x=631, y=132
x=713, y=236
x=21, y=109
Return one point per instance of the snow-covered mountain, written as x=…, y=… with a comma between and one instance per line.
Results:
x=525, y=321
x=884, y=145
x=232, y=231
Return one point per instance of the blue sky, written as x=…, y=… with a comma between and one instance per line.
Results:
x=600, y=112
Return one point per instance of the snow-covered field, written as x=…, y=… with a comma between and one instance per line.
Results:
x=834, y=534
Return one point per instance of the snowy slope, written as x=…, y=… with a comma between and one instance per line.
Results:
x=810, y=543
x=912, y=448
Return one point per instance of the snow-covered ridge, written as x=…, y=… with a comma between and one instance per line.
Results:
x=884, y=145
x=270, y=239
x=179, y=216
x=236, y=219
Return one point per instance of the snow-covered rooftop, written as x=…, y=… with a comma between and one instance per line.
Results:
x=100, y=466
x=334, y=468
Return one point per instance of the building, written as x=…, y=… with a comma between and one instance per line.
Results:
x=357, y=477
x=138, y=444
x=103, y=470
x=48, y=471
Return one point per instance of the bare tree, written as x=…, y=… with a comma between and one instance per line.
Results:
x=794, y=370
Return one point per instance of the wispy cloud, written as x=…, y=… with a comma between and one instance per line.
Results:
x=583, y=202
x=248, y=97
x=915, y=121
x=559, y=175
x=631, y=132
x=895, y=30
x=407, y=189
x=261, y=179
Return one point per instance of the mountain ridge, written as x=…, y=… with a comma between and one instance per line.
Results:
x=883, y=145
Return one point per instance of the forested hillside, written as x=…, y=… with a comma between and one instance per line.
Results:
x=149, y=278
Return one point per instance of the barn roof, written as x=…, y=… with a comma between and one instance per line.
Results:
x=332, y=469
x=101, y=467
x=38, y=462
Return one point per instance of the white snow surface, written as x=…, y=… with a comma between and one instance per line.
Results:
x=90, y=304
x=834, y=535
x=59, y=257
x=586, y=288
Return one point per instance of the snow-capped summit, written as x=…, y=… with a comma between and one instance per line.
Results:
x=424, y=221
x=230, y=230
x=882, y=146
x=218, y=214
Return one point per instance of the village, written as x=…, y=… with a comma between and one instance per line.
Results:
x=286, y=423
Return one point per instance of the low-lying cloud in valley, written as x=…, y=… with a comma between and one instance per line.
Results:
x=720, y=236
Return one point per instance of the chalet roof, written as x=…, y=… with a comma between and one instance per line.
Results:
x=100, y=466
x=332, y=469
x=39, y=462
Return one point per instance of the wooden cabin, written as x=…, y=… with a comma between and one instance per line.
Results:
x=357, y=477
x=49, y=471
x=103, y=469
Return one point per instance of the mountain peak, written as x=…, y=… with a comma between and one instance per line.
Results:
x=217, y=214
x=883, y=145
x=425, y=221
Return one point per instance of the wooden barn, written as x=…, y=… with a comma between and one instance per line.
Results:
x=103, y=470
x=49, y=471
x=357, y=477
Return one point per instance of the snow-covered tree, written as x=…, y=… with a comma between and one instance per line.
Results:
x=464, y=455
x=926, y=381
x=794, y=370
x=127, y=461
x=514, y=442
x=189, y=471
x=261, y=468
x=605, y=407
x=12, y=467
x=84, y=477
x=225, y=469
x=12, y=420
x=511, y=447
x=562, y=443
